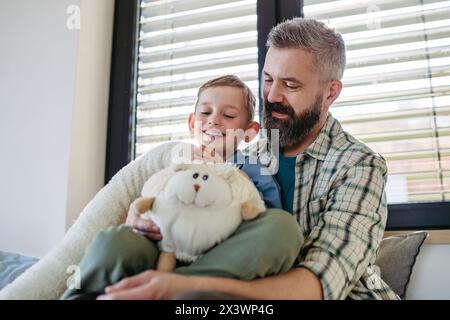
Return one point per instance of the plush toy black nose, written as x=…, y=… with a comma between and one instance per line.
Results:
x=196, y=187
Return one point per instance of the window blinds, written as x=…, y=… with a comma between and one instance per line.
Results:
x=182, y=44
x=396, y=94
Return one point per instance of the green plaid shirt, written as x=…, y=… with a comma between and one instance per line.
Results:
x=340, y=205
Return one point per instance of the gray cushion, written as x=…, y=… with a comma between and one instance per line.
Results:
x=396, y=259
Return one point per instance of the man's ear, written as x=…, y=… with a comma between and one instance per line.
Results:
x=252, y=131
x=332, y=93
x=191, y=121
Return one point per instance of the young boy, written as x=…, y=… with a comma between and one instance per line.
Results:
x=223, y=117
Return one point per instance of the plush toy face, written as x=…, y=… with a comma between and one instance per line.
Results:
x=198, y=188
x=197, y=206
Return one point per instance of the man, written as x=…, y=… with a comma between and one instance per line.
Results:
x=331, y=183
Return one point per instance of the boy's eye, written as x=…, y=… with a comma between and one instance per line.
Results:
x=205, y=112
x=229, y=116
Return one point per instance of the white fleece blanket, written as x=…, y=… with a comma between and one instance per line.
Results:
x=47, y=278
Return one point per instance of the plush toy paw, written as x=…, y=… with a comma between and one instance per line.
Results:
x=249, y=211
x=197, y=206
x=142, y=204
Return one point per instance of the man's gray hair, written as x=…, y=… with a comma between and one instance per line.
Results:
x=326, y=45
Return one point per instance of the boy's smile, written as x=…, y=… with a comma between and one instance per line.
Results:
x=220, y=117
x=214, y=132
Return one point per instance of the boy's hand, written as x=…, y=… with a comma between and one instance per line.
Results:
x=144, y=227
x=207, y=154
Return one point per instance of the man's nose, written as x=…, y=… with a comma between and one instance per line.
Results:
x=274, y=94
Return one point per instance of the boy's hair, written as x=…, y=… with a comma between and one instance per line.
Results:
x=232, y=81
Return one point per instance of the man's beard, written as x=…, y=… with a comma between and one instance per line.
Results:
x=297, y=126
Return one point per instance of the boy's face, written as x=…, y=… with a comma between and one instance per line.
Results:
x=221, y=119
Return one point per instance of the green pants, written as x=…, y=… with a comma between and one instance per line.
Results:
x=265, y=246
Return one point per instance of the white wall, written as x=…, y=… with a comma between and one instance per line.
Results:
x=431, y=274
x=90, y=116
x=53, y=111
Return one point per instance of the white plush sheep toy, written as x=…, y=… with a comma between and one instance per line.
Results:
x=196, y=206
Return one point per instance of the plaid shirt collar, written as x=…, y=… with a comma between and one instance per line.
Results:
x=320, y=147
x=317, y=150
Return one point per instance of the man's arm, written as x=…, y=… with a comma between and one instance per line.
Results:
x=333, y=258
x=339, y=248
x=345, y=239
x=298, y=284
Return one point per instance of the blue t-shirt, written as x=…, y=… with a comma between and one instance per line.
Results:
x=266, y=184
x=286, y=180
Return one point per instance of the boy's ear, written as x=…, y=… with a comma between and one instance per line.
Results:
x=251, y=131
x=191, y=121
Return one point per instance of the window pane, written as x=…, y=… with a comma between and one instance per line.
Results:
x=396, y=94
x=182, y=44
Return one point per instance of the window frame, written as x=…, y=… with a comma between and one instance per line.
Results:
x=121, y=108
x=121, y=115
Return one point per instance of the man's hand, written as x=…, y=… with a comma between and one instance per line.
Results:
x=298, y=284
x=144, y=227
x=149, y=285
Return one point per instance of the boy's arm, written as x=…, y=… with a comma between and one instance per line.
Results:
x=265, y=184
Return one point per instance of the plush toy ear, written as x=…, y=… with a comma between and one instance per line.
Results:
x=142, y=204
x=227, y=171
x=179, y=167
x=249, y=211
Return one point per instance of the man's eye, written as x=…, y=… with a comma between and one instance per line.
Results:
x=268, y=81
x=291, y=85
x=205, y=112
